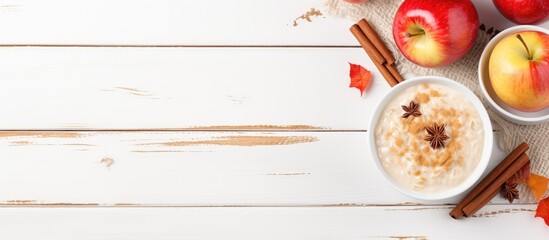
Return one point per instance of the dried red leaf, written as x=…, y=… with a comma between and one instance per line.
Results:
x=538, y=185
x=543, y=210
x=521, y=176
x=360, y=77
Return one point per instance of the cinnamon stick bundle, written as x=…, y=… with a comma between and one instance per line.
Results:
x=485, y=196
x=490, y=185
x=376, y=41
x=377, y=51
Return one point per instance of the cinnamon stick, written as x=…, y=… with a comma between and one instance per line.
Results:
x=393, y=70
x=457, y=212
x=377, y=51
x=487, y=200
x=484, y=196
x=367, y=45
x=376, y=41
x=386, y=74
x=372, y=52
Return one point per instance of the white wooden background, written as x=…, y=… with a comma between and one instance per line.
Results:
x=172, y=119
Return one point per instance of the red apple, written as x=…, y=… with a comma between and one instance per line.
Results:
x=435, y=33
x=523, y=11
x=519, y=70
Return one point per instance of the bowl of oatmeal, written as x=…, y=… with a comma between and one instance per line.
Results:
x=431, y=137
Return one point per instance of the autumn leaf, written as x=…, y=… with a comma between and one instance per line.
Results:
x=520, y=177
x=543, y=210
x=538, y=185
x=360, y=77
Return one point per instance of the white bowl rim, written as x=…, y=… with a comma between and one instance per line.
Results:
x=488, y=136
x=486, y=54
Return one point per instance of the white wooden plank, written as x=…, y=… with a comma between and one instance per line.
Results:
x=144, y=88
x=168, y=22
x=176, y=22
x=495, y=222
x=194, y=169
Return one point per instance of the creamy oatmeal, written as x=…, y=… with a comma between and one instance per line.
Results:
x=429, y=161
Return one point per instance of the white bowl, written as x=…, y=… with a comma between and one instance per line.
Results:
x=488, y=135
x=508, y=113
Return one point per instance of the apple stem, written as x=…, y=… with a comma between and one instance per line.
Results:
x=525, y=46
x=415, y=34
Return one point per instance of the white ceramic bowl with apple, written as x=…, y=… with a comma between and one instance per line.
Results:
x=515, y=81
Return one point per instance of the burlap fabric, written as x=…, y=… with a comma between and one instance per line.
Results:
x=380, y=14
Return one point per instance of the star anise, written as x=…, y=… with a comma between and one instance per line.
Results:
x=510, y=192
x=436, y=135
x=411, y=110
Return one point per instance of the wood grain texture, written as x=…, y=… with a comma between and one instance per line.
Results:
x=251, y=108
x=242, y=141
x=184, y=23
x=169, y=22
x=268, y=223
x=184, y=89
x=195, y=169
